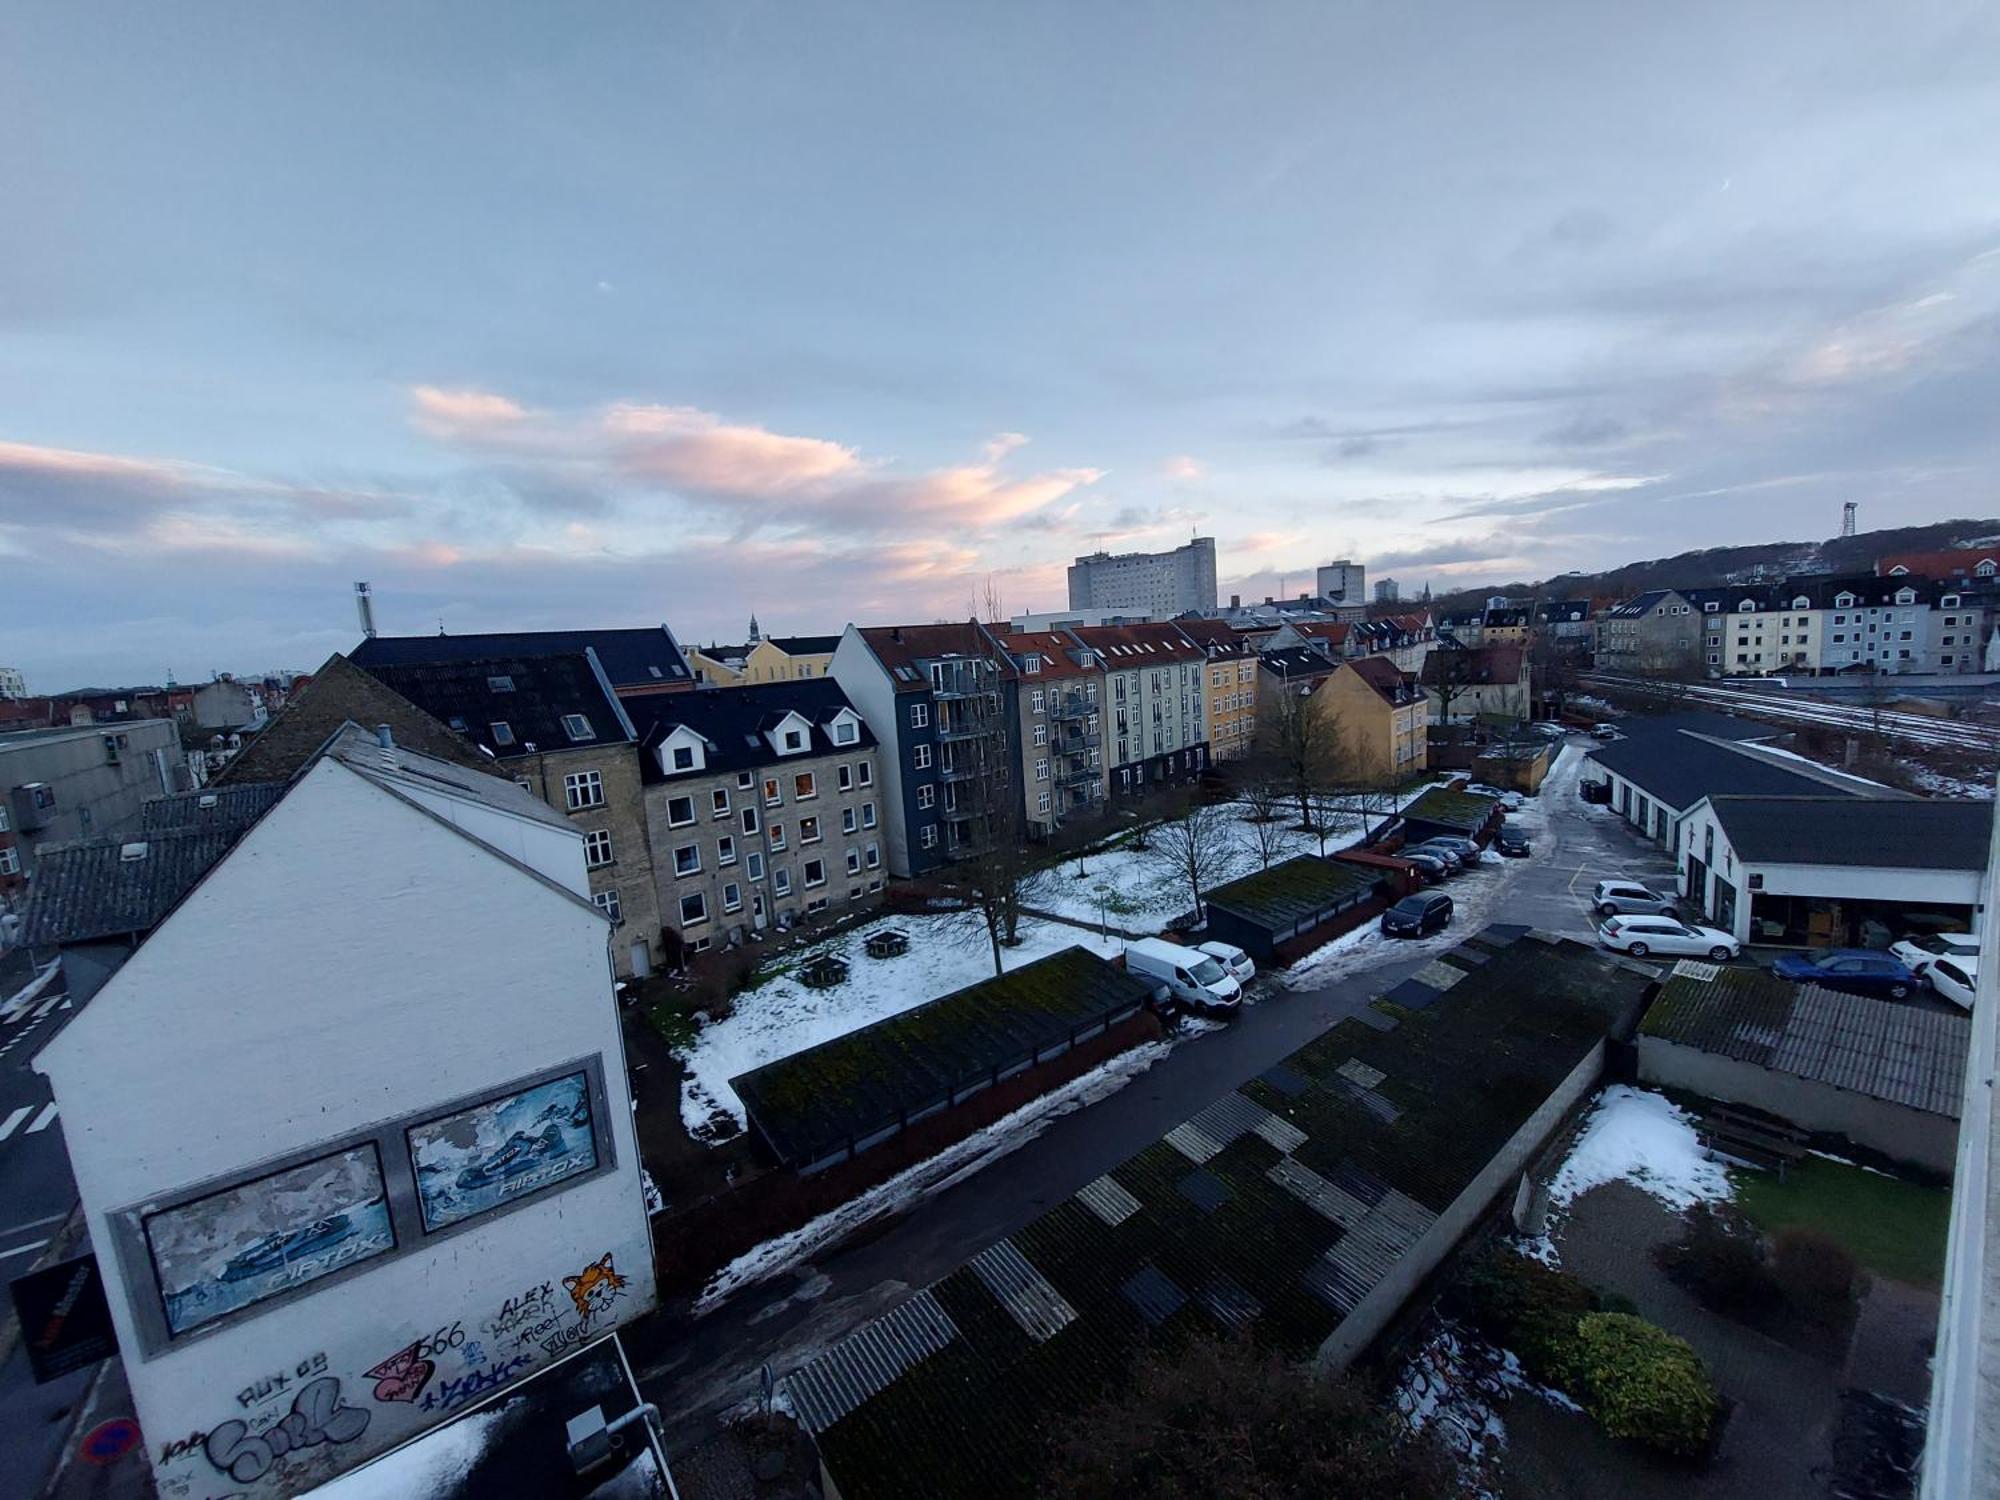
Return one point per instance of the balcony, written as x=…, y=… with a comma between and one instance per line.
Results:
x=966, y=726
x=1076, y=744
x=1078, y=775
x=966, y=681
x=1071, y=706
x=958, y=773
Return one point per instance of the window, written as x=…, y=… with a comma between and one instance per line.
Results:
x=867, y=815
x=597, y=847
x=10, y=861
x=499, y=684
x=753, y=865
x=774, y=793
x=815, y=872
x=1035, y=701
x=577, y=727
x=848, y=820
x=920, y=715
x=844, y=777
x=871, y=856
x=502, y=732
x=844, y=732
x=687, y=860
x=694, y=909
x=854, y=861
x=1041, y=734
x=1042, y=770
x=804, y=786
x=749, y=820
x=776, y=834
x=608, y=903
x=732, y=897
x=1042, y=804
x=725, y=850
x=927, y=836
x=866, y=773
x=920, y=758
x=469, y=1161
x=680, y=811
x=718, y=802
x=683, y=757
x=809, y=830
x=583, y=789
x=794, y=740
x=745, y=780
x=781, y=882
x=926, y=796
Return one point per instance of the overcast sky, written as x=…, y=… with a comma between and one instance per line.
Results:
x=541, y=315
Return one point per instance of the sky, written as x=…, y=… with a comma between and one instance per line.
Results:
x=539, y=315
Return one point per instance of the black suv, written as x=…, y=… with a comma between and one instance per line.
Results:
x=1414, y=916
x=1512, y=841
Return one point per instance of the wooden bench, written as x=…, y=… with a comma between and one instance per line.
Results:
x=1752, y=1136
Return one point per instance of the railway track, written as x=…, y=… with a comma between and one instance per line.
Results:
x=1916, y=729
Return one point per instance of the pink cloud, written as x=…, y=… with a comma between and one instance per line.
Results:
x=697, y=450
x=1183, y=466
x=455, y=413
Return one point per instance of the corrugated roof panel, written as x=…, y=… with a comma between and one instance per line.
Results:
x=1110, y=1202
x=846, y=1375
x=1029, y=1298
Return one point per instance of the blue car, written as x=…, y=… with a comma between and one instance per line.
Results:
x=1859, y=971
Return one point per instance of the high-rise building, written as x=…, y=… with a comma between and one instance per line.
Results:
x=1164, y=583
x=12, y=683
x=1386, y=592
x=1344, y=582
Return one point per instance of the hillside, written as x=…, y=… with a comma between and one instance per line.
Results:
x=1717, y=565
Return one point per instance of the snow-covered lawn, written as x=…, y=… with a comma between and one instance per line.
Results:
x=783, y=1016
x=1140, y=892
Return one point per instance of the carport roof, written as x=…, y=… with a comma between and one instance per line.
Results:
x=1450, y=809
x=1679, y=768
x=1887, y=1051
x=1842, y=830
x=1282, y=895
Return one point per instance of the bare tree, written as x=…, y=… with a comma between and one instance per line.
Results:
x=1555, y=667
x=1193, y=843
x=996, y=874
x=1448, y=675
x=1263, y=795
x=1299, y=740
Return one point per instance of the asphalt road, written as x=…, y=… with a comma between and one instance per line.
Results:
x=694, y=1370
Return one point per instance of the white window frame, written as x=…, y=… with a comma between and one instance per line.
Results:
x=920, y=758
x=725, y=850
x=583, y=789
x=597, y=849
x=700, y=900
x=676, y=822
x=864, y=773
x=719, y=805
x=692, y=866
x=608, y=903
x=732, y=897
x=920, y=715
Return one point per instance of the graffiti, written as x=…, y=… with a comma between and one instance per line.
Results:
x=402, y=1376
x=595, y=1289
x=182, y=1447
x=475, y=1354
x=318, y=1415
x=276, y=1384
x=307, y=1368
x=452, y=1394
x=530, y=1306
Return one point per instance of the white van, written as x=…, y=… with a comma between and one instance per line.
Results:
x=1195, y=979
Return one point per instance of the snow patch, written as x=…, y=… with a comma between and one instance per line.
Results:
x=430, y=1465
x=949, y=1167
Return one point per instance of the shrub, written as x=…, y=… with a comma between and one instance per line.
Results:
x=1642, y=1383
x=1720, y=1258
x=1529, y=1308
x=1812, y=1268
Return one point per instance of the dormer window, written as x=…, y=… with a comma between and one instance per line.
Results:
x=844, y=732
x=1986, y=569
x=794, y=740
x=1031, y=663
x=1747, y=606
x=683, y=757
x=1711, y=607
x=1906, y=596
x=1949, y=601
x=1843, y=601
x=1802, y=602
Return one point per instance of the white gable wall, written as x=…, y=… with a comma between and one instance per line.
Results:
x=416, y=969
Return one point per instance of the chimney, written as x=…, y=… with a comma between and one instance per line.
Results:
x=385, y=737
x=1235, y=601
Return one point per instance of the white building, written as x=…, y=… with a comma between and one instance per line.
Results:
x=1387, y=591
x=1343, y=582
x=1165, y=583
x=1158, y=730
x=12, y=683
x=334, y=1208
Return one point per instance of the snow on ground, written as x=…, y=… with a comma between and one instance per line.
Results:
x=428, y=1466
x=1937, y=784
x=1140, y=891
x=783, y=1016
x=1638, y=1136
x=26, y=996
x=934, y=1174
x=1818, y=765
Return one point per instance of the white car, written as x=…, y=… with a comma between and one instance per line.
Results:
x=1919, y=953
x=1954, y=978
x=1235, y=962
x=1511, y=801
x=1640, y=936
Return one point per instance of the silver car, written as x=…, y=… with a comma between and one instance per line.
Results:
x=1614, y=898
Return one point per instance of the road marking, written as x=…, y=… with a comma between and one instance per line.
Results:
x=47, y=1005
x=15, y=1119
x=36, y=1223
x=43, y=1119
x=21, y=1250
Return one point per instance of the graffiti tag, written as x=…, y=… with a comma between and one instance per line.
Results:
x=318, y=1415
x=452, y=1394
x=594, y=1289
x=402, y=1376
x=277, y=1383
x=182, y=1447
x=530, y=1306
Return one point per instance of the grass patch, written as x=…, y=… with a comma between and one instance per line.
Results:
x=1894, y=1228
x=676, y=1027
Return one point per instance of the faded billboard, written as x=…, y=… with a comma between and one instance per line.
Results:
x=259, y=1238
x=496, y=1151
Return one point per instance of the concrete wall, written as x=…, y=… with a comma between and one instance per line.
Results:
x=420, y=969
x=623, y=815
x=1373, y=1313
x=94, y=794
x=1912, y=1135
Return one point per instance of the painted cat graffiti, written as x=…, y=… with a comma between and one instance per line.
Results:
x=594, y=1290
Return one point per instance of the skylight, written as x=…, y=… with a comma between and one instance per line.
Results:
x=501, y=684
x=577, y=727
x=502, y=731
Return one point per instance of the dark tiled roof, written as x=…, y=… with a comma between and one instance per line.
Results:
x=813, y=1102
x=339, y=693
x=1875, y=1047
x=631, y=658
x=211, y=807
x=1057, y=649
x=1271, y=1212
x=1639, y=604
x=1391, y=683
x=1479, y=666
x=1218, y=638
x=1124, y=647
x=1840, y=830
x=88, y=889
x=904, y=649
x=531, y=695
x=1565, y=611
x=1299, y=891
x=1679, y=769
x=805, y=645
x=732, y=721
x=1697, y=721
x=1298, y=663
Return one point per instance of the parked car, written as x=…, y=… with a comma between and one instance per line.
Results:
x=1465, y=849
x=1433, y=864
x=1418, y=915
x=1640, y=936
x=1954, y=978
x=1605, y=732
x=1452, y=860
x=1549, y=729
x=1509, y=800
x=1512, y=841
x=1191, y=976
x=1614, y=898
x=1237, y=964
x=1921, y=952
x=1859, y=971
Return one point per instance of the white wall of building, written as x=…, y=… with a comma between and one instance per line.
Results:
x=418, y=969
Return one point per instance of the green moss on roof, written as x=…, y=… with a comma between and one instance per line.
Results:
x=1300, y=885
x=1456, y=809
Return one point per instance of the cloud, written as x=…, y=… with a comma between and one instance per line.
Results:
x=1584, y=431
x=696, y=450
x=1183, y=466
x=1457, y=554
x=455, y=413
